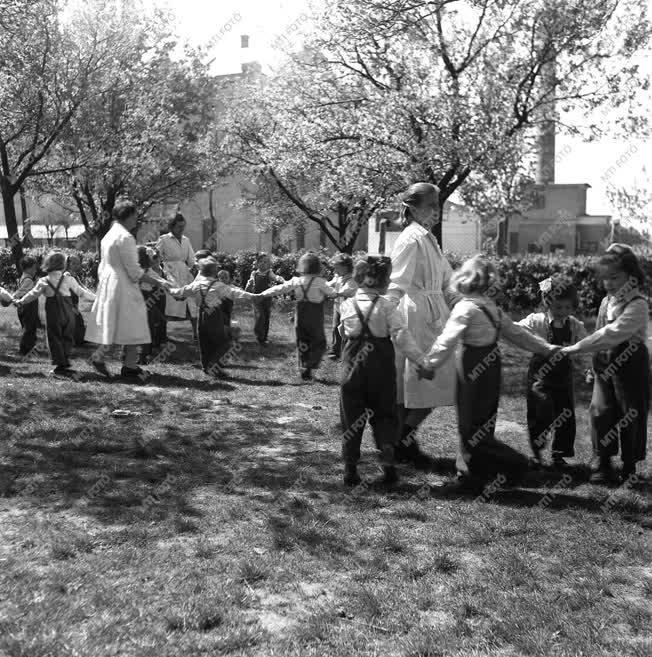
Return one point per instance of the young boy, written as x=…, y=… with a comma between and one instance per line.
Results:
x=227, y=307
x=73, y=267
x=371, y=326
x=208, y=292
x=262, y=279
x=345, y=286
x=27, y=314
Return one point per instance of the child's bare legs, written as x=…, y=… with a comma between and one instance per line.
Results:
x=408, y=449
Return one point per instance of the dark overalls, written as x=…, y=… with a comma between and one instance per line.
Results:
x=368, y=392
x=309, y=329
x=155, y=304
x=227, y=311
x=29, y=321
x=262, y=307
x=621, y=400
x=336, y=344
x=60, y=326
x=213, y=342
x=480, y=454
x=550, y=398
x=80, y=327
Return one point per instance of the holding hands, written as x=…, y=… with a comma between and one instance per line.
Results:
x=425, y=370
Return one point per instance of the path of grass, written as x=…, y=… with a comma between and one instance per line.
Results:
x=215, y=523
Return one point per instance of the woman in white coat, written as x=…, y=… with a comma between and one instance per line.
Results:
x=178, y=257
x=119, y=314
x=420, y=286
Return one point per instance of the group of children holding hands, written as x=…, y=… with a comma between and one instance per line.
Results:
x=368, y=329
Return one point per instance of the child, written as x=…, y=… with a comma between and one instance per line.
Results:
x=154, y=296
x=345, y=286
x=27, y=314
x=59, y=315
x=227, y=306
x=260, y=280
x=73, y=266
x=621, y=384
x=371, y=325
x=550, y=380
x=214, y=342
x=478, y=323
x=311, y=290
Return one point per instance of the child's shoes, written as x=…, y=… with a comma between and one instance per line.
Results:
x=351, y=476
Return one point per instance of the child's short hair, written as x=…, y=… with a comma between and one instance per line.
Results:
x=373, y=271
x=202, y=253
x=27, y=262
x=621, y=256
x=343, y=260
x=309, y=263
x=476, y=275
x=223, y=276
x=207, y=267
x=122, y=210
x=143, y=257
x=558, y=288
x=262, y=256
x=72, y=257
x=54, y=261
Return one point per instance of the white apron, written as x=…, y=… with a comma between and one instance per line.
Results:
x=421, y=271
x=178, y=258
x=119, y=314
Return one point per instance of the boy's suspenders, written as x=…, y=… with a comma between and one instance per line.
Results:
x=202, y=306
x=306, y=289
x=365, y=334
x=494, y=322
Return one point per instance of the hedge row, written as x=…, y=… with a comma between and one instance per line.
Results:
x=520, y=275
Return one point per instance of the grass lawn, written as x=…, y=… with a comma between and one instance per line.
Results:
x=212, y=521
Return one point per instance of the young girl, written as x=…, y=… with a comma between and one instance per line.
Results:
x=154, y=296
x=479, y=324
x=59, y=313
x=345, y=286
x=621, y=367
x=371, y=326
x=208, y=292
x=311, y=290
x=28, y=313
x=262, y=279
x=550, y=392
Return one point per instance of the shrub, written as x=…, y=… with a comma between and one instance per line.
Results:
x=520, y=274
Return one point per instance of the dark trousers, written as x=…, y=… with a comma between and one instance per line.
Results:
x=262, y=313
x=29, y=321
x=620, y=403
x=80, y=328
x=213, y=340
x=368, y=394
x=156, y=320
x=309, y=329
x=551, y=409
x=60, y=325
x=480, y=455
x=336, y=343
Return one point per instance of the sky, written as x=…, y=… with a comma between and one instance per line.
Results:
x=272, y=22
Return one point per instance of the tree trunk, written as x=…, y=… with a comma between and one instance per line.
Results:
x=8, y=193
x=437, y=228
x=23, y=208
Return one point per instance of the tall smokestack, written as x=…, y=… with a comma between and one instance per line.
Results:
x=545, y=171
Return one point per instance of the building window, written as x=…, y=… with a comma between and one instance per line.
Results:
x=538, y=201
x=590, y=247
x=534, y=247
x=244, y=41
x=513, y=242
x=557, y=248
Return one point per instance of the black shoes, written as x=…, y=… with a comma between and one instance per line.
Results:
x=351, y=476
x=134, y=373
x=101, y=368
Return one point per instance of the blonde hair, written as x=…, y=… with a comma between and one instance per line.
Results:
x=415, y=197
x=477, y=275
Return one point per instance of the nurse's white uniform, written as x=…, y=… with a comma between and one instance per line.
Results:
x=178, y=257
x=421, y=271
x=119, y=314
